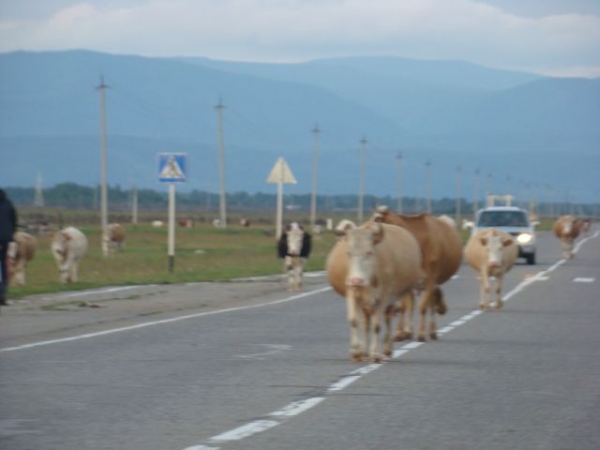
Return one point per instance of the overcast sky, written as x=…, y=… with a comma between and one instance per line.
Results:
x=557, y=37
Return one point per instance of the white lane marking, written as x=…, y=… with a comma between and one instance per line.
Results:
x=458, y=323
x=445, y=330
x=201, y=447
x=293, y=409
x=245, y=431
x=163, y=321
x=274, y=349
x=343, y=383
x=583, y=280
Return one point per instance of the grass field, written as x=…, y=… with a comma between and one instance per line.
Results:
x=202, y=253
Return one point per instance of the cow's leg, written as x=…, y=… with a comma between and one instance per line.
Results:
x=73, y=271
x=375, y=320
x=425, y=306
x=356, y=349
x=366, y=331
x=388, y=343
x=484, y=300
x=20, y=273
x=405, y=307
x=498, y=290
x=289, y=270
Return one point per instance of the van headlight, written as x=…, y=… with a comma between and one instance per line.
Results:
x=525, y=238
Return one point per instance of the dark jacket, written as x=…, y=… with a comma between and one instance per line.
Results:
x=8, y=218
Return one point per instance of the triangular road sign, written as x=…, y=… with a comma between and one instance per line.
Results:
x=281, y=173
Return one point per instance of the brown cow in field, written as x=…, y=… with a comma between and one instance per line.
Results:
x=114, y=238
x=69, y=246
x=441, y=249
x=491, y=253
x=373, y=267
x=567, y=229
x=20, y=252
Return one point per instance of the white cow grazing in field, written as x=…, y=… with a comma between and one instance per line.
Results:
x=294, y=247
x=113, y=239
x=69, y=246
x=491, y=253
x=20, y=252
x=374, y=267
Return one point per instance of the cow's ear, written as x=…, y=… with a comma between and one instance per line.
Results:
x=507, y=242
x=483, y=241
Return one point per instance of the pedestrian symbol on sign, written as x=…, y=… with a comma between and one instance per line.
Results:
x=172, y=167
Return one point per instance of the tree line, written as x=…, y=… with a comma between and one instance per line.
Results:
x=75, y=196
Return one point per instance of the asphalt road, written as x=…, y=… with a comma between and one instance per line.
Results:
x=274, y=373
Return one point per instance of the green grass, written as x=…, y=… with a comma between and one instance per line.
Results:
x=202, y=253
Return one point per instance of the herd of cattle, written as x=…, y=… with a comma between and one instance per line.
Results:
x=379, y=267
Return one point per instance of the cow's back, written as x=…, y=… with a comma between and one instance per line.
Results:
x=440, y=243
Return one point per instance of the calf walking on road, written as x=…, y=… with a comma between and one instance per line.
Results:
x=294, y=247
x=491, y=253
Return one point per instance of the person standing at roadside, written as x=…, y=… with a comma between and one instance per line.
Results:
x=8, y=226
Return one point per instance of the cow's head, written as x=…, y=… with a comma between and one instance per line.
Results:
x=494, y=247
x=362, y=262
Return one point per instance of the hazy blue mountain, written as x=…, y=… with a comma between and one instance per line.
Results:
x=509, y=124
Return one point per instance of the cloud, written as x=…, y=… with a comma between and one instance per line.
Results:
x=295, y=30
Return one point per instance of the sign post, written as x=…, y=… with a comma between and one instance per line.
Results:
x=172, y=169
x=280, y=174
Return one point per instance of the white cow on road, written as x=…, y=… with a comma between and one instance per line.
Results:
x=294, y=247
x=491, y=253
x=69, y=246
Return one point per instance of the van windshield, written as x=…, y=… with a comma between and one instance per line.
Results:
x=502, y=219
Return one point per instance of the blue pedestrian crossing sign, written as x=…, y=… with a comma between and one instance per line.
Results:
x=172, y=167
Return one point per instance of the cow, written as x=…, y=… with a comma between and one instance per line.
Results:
x=491, y=253
x=441, y=250
x=113, y=239
x=69, y=246
x=244, y=222
x=567, y=229
x=374, y=267
x=157, y=223
x=20, y=252
x=294, y=248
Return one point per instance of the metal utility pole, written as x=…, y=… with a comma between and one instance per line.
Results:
x=428, y=182
x=223, y=206
x=134, y=206
x=361, y=190
x=103, y=190
x=38, y=200
x=458, y=195
x=399, y=157
x=476, y=198
x=489, y=190
x=313, y=200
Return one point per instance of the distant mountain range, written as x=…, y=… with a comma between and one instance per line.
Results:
x=538, y=135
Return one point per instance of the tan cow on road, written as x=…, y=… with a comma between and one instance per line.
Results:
x=373, y=267
x=491, y=253
x=69, y=246
x=567, y=229
x=114, y=238
x=441, y=248
x=20, y=252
